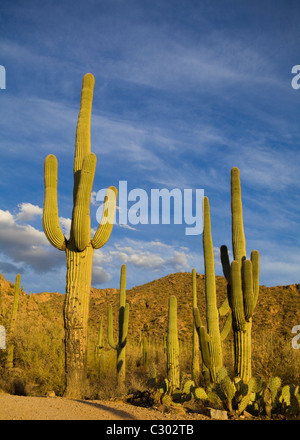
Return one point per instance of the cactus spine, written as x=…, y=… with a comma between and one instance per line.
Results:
x=120, y=346
x=10, y=345
x=173, y=370
x=243, y=278
x=80, y=247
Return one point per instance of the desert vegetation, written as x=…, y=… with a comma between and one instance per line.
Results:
x=189, y=339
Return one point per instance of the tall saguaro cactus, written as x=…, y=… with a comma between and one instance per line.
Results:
x=79, y=248
x=173, y=369
x=10, y=345
x=210, y=339
x=123, y=329
x=243, y=279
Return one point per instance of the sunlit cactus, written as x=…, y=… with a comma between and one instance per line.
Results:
x=12, y=326
x=120, y=345
x=210, y=338
x=173, y=368
x=196, y=358
x=80, y=246
x=243, y=283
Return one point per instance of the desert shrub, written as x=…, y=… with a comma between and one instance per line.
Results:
x=39, y=353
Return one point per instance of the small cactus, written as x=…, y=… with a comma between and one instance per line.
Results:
x=123, y=329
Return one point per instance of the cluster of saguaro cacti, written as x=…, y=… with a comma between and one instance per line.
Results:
x=10, y=345
x=210, y=339
x=80, y=246
x=120, y=346
x=243, y=286
x=243, y=283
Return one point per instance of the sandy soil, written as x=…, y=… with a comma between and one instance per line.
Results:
x=57, y=408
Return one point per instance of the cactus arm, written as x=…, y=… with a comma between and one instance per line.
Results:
x=100, y=337
x=123, y=286
x=237, y=296
x=110, y=336
x=50, y=212
x=124, y=326
x=204, y=340
x=247, y=284
x=197, y=318
x=255, y=274
x=226, y=327
x=225, y=262
x=83, y=130
x=238, y=236
x=194, y=283
x=105, y=226
x=224, y=307
x=81, y=214
x=210, y=283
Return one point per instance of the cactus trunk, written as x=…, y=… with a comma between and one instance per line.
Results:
x=76, y=310
x=242, y=352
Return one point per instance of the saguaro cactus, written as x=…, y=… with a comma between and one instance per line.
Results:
x=243, y=279
x=196, y=351
x=99, y=347
x=11, y=345
x=80, y=246
x=173, y=370
x=123, y=329
x=210, y=340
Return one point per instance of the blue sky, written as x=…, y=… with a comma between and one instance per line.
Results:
x=184, y=91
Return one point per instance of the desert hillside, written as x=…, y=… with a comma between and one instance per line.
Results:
x=39, y=347
x=277, y=310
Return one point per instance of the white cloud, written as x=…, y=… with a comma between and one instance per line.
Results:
x=28, y=212
x=26, y=245
x=145, y=254
x=65, y=224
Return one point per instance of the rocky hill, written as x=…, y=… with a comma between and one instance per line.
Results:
x=41, y=314
x=277, y=310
